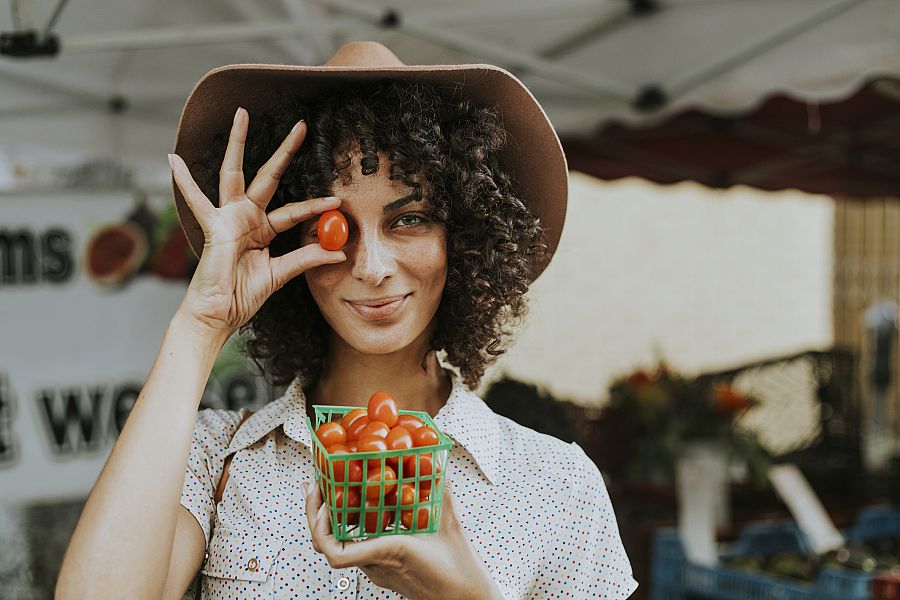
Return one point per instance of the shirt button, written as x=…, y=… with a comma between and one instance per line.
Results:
x=343, y=583
x=253, y=564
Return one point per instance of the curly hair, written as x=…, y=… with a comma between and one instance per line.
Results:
x=449, y=144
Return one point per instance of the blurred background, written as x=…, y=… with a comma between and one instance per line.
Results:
x=723, y=300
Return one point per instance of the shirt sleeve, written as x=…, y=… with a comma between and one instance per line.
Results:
x=587, y=558
x=213, y=431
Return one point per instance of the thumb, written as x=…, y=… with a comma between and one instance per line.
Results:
x=286, y=267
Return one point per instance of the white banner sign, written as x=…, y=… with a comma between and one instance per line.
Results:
x=88, y=283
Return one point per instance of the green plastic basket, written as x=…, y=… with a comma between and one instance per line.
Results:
x=348, y=522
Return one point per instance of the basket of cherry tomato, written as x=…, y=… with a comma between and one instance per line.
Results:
x=379, y=468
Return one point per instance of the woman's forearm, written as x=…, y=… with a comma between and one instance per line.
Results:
x=122, y=543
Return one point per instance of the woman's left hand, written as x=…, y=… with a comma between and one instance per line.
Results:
x=422, y=566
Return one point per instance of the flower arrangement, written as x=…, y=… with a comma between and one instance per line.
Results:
x=661, y=412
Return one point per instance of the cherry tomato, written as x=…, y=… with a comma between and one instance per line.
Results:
x=383, y=407
x=374, y=428
x=344, y=468
x=407, y=494
x=372, y=524
x=332, y=230
x=339, y=465
x=374, y=478
x=372, y=444
x=331, y=433
x=352, y=416
x=426, y=468
x=398, y=438
x=354, y=497
x=424, y=436
x=410, y=422
x=356, y=426
x=354, y=500
x=424, y=494
x=422, y=514
x=352, y=446
x=426, y=465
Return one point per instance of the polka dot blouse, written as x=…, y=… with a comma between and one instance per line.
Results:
x=534, y=508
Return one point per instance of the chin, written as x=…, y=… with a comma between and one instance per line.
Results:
x=384, y=340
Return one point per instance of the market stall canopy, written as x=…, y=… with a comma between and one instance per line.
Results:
x=111, y=78
x=849, y=147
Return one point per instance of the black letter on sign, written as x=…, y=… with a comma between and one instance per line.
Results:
x=57, y=256
x=7, y=439
x=17, y=258
x=61, y=420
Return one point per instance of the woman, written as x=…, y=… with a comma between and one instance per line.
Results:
x=440, y=251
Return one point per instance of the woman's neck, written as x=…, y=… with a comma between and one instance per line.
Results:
x=352, y=382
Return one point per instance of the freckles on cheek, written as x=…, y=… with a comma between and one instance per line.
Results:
x=432, y=256
x=322, y=279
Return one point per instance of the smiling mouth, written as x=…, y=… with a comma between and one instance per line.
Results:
x=381, y=311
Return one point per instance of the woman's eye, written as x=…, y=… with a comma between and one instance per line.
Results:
x=416, y=219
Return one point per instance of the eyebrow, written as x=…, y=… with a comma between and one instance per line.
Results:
x=401, y=202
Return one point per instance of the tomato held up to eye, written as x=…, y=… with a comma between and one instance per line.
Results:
x=332, y=230
x=382, y=407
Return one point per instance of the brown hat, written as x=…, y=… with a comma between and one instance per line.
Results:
x=533, y=155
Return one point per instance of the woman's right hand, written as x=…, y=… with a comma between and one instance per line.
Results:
x=235, y=274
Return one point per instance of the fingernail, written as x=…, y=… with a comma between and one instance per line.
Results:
x=305, y=489
x=296, y=125
x=171, y=160
x=236, y=113
x=321, y=509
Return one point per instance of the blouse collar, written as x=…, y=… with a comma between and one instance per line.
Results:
x=465, y=418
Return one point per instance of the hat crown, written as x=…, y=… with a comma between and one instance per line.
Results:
x=364, y=54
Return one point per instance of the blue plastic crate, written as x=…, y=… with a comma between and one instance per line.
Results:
x=674, y=578
x=874, y=523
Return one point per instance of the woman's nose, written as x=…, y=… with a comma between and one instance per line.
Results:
x=372, y=259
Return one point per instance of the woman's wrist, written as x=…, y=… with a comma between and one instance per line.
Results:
x=205, y=337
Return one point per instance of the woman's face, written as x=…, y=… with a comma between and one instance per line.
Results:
x=394, y=250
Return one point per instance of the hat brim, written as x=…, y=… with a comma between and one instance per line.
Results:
x=533, y=156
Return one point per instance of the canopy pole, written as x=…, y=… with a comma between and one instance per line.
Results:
x=512, y=58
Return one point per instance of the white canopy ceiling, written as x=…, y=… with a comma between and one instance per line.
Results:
x=125, y=68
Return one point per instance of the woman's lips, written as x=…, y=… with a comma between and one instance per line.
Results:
x=374, y=313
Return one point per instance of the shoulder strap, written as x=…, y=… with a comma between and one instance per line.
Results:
x=221, y=487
